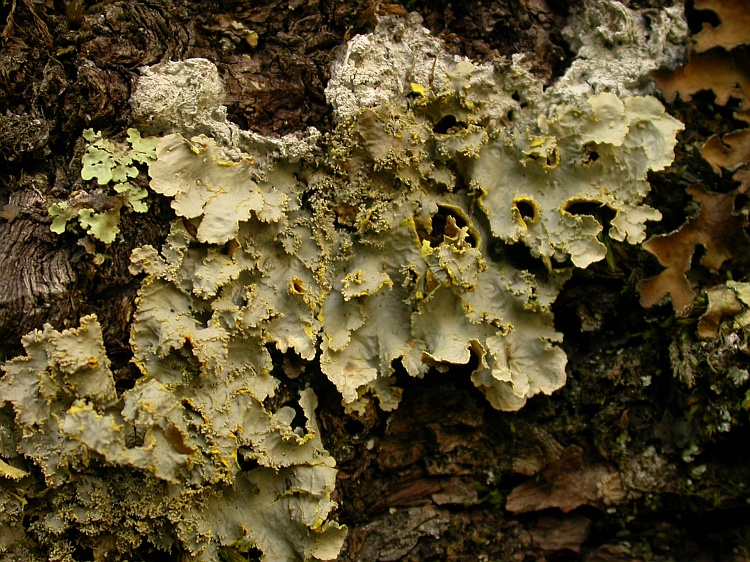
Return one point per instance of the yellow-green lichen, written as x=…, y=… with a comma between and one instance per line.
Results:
x=386, y=244
x=379, y=247
x=106, y=161
x=160, y=463
x=389, y=262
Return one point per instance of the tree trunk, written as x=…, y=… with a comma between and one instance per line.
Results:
x=626, y=462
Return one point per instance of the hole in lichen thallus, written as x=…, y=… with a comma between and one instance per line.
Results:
x=246, y=462
x=448, y=125
x=229, y=553
x=590, y=154
x=203, y=316
x=580, y=207
x=441, y=226
x=300, y=419
x=517, y=97
x=519, y=256
x=296, y=286
x=187, y=355
x=526, y=209
x=740, y=201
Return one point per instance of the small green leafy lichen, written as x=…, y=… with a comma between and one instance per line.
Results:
x=61, y=213
x=106, y=162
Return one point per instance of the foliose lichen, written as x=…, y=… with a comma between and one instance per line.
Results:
x=392, y=247
x=160, y=463
x=433, y=227
x=107, y=162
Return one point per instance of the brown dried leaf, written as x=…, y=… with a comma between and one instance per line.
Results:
x=716, y=227
x=728, y=151
x=734, y=29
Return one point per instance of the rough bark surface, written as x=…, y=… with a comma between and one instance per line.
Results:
x=603, y=470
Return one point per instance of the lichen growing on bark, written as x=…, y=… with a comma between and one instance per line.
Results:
x=160, y=463
x=107, y=161
x=437, y=170
x=392, y=243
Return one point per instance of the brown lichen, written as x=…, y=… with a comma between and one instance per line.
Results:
x=717, y=227
x=722, y=303
x=715, y=70
x=728, y=151
x=720, y=62
x=734, y=29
